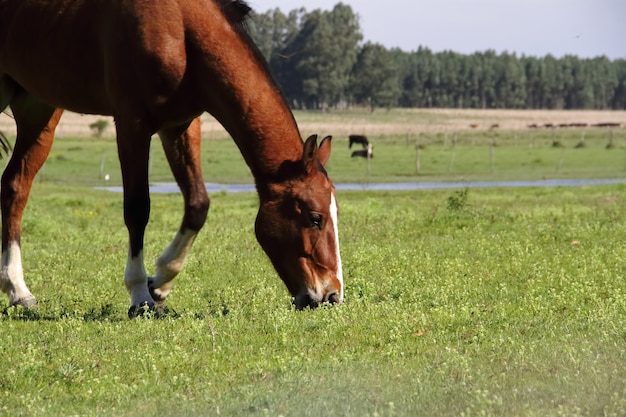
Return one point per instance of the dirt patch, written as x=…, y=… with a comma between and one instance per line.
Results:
x=403, y=121
x=380, y=122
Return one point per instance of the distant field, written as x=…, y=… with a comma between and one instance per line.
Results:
x=380, y=122
x=401, y=140
x=414, y=121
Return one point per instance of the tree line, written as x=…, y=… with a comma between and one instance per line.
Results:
x=320, y=61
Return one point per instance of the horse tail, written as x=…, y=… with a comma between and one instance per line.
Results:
x=7, y=91
x=5, y=145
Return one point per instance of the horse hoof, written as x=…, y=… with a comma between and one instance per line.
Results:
x=158, y=298
x=28, y=303
x=144, y=309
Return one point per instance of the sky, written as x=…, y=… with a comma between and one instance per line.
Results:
x=586, y=28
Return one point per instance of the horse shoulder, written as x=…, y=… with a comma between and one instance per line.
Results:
x=158, y=32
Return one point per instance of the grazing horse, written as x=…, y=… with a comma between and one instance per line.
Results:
x=156, y=66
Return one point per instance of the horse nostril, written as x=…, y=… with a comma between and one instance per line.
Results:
x=333, y=298
x=303, y=301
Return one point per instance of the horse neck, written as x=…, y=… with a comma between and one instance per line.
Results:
x=262, y=126
x=248, y=104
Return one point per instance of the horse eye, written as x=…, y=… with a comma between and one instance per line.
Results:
x=316, y=220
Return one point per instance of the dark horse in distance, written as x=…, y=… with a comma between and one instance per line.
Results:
x=156, y=66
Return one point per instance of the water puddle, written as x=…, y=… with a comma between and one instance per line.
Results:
x=170, y=188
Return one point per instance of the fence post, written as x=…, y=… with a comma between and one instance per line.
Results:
x=102, y=165
x=561, y=160
x=369, y=158
x=417, y=157
x=610, y=144
x=581, y=144
x=451, y=165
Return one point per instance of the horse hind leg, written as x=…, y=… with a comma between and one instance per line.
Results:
x=36, y=123
x=182, y=149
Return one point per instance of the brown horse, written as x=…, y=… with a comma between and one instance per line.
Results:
x=156, y=66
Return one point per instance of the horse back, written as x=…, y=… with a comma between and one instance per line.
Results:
x=91, y=56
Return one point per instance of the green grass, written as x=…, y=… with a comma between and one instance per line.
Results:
x=479, y=302
x=489, y=302
x=473, y=159
x=443, y=157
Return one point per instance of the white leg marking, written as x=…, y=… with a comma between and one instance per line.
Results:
x=172, y=261
x=12, y=276
x=333, y=215
x=136, y=280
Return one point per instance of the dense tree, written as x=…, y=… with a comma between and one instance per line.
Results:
x=273, y=30
x=374, y=79
x=318, y=59
x=619, y=95
x=510, y=81
x=604, y=81
x=534, y=69
x=311, y=53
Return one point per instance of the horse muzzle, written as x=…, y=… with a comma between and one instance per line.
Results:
x=311, y=300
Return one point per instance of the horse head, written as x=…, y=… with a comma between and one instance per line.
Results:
x=297, y=228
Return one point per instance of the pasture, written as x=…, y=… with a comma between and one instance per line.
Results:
x=458, y=302
x=448, y=149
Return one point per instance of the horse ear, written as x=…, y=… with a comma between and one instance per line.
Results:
x=309, y=152
x=324, y=150
x=312, y=153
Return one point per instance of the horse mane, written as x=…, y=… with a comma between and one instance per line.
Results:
x=236, y=11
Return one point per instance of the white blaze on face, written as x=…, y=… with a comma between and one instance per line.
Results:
x=334, y=217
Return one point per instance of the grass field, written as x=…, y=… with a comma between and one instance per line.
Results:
x=472, y=302
x=494, y=302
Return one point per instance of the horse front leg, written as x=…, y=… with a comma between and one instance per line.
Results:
x=182, y=149
x=133, y=146
x=36, y=123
